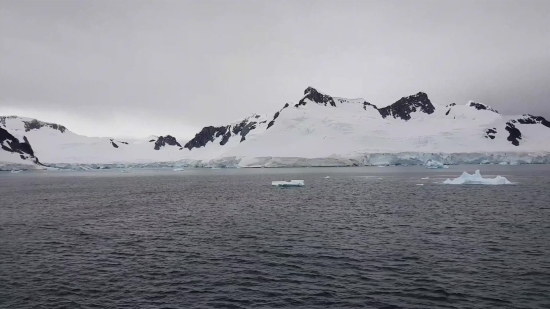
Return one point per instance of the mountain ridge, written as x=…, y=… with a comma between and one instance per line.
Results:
x=318, y=126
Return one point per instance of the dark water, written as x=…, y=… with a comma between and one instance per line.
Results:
x=227, y=239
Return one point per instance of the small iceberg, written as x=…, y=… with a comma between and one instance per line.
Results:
x=425, y=178
x=419, y=184
x=179, y=169
x=327, y=177
x=292, y=183
x=477, y=179
x=15, y=171
x=435, y=164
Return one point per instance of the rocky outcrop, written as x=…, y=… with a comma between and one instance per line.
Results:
x=34, y=124
x=272, y=122
x=239, y=129
x=166, y=140
x=530, y=119
x=515, y=133
x=490, y=133
x=481, y=106
x=408, y=105
x=313, y=95
x=365, y=104
x=12, y=144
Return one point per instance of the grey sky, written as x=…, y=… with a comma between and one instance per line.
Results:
x=134, y=67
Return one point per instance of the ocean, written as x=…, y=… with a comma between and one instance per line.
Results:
x=366, y=237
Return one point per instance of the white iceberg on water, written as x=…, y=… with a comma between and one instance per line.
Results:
x=292, y=183
x=435, y=164
x=179, y=169
x=477, y=179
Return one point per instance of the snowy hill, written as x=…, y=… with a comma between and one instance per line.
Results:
x=38, y=141
x=317, y=130
x=320, y=125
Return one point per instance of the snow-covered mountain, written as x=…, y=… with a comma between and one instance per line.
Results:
x=317, y=130
x=37, y=141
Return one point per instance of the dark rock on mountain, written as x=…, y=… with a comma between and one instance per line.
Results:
x=490, y=133
x=365, y=104
x=481, y=106
x=313, y=95
x=405, y=106
x=166, y=140
x=530, y=119
x=447, y=113
x=515, y=133
x=153, y=140
x=244, y=127
x=114, y=145
x=451, y=105
x=208, y=134
x=35, y=125
x=12, y=144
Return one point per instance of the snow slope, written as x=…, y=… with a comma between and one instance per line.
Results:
x=318, y=130
x=354, y=127
x=54, y=143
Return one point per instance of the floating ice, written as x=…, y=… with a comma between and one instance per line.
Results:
x=15, y=171
x=477, y=179
x=179, y=169
x=425, y=178
x=419, y=184
x=327, y=177
x=503, y=163
x=292, y=183
x=435, y=164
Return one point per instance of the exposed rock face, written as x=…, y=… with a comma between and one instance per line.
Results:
x=272, y=122
x=245, y=126
x=10, y=143
x=530, y=119
x=315, y=96
x=407, y=105
x=515, y=133
x=209, y=134
x=481, y=106
x=34, y=124
x=365, y=104
x=166, y=140
x=490, y=133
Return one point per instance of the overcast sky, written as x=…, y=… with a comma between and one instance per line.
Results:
x=136, y=67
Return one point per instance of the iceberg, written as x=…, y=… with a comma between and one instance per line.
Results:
x=292, y=183
x=477, y=179
x=15, y=171
x=179, y=169
x=435, y=164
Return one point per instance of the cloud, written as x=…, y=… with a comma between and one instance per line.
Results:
x=126, y=67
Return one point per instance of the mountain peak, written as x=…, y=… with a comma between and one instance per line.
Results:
x=312, y=95
x=405, y=106
x=31, y=124
x=481, y=106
